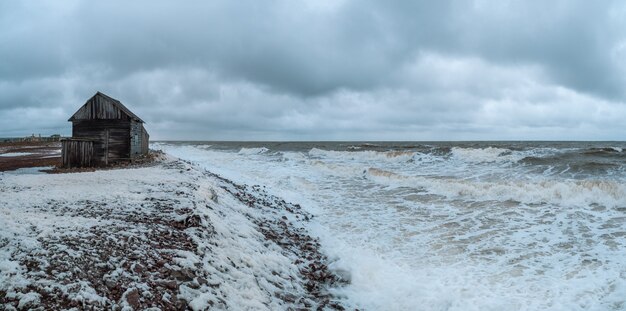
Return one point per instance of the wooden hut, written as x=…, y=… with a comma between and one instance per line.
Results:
x=104, y=131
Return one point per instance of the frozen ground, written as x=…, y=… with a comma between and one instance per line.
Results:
x=165, y=237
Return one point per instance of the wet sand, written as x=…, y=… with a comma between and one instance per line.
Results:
x=16, y=155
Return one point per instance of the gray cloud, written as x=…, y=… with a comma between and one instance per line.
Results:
x=321, y=69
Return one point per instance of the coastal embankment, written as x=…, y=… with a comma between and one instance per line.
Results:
x=170, y=236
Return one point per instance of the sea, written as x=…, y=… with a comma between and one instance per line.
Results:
x=451, y=225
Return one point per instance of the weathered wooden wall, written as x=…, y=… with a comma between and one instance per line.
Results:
x=135, y=138
x=139, y=139
x=111, y=138
x=116, y=132
x=77, y=153
x=145, y=140
x=100, y=108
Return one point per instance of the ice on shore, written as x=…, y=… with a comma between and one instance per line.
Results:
x=137, y=238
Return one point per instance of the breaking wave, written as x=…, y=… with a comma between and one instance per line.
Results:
x=481, y=155
x=253, y=150
x=559, y=192
x=447, y=226
x=393, y=156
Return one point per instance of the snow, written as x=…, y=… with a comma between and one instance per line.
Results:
x=29, y=299
x=139, y=238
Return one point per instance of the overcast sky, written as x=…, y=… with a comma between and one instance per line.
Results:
x=321, y=69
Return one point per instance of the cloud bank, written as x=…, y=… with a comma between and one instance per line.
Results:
x=321, y=70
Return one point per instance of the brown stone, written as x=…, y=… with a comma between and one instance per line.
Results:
x=170, y=284
x=133, y=299
x=138, y=268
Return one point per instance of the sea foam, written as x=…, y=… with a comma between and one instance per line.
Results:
x=454, y=227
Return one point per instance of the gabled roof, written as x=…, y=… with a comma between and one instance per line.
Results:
x=98, y=99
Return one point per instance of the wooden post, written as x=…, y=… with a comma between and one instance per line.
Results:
x=106, y=148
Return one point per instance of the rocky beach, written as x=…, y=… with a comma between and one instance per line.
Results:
x=164, y=236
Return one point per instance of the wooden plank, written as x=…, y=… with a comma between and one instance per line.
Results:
x=118, y=140
x=102, y=107
x=77, y=153
x=145, y=141
x=106, y=147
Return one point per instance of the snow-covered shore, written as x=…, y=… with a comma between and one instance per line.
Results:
x=170, y=236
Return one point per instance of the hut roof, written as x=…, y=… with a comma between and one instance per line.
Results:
x=102, y=106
